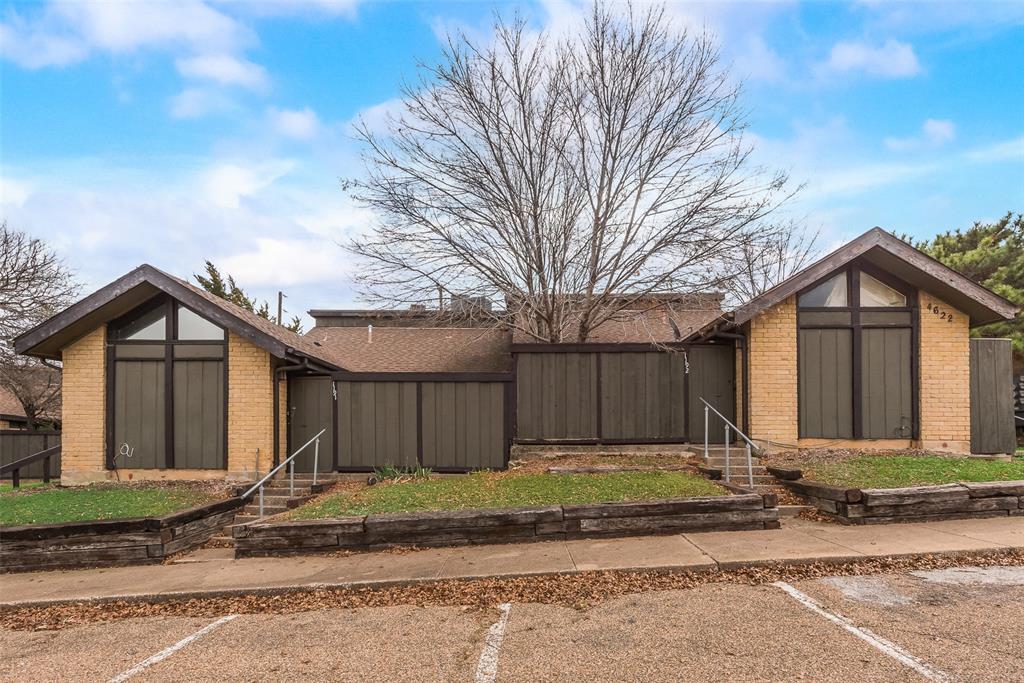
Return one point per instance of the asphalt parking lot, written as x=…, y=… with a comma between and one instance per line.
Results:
x=942, y=625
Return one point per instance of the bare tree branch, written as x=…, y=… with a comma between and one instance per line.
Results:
x=565, y=182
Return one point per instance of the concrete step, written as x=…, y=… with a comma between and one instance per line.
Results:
x=267, y=509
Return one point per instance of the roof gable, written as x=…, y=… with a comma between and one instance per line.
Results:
x=895, y=256
x=122, y=295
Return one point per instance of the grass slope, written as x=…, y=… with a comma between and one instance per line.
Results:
x=490, y=490
x=899, y=471
x=55, y=505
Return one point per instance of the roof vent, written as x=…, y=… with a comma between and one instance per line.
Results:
x=369, y=334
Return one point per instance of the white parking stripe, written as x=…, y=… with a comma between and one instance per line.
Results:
x=164, y=654
x=888, y=647
x=487, y=668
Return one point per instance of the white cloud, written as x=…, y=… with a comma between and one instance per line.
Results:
x=226, y=184
x=759, y=62
x=285, y=262
x=192, y=103
x=14, y=192
x=893, y=59
x=1007, y=150
x=377, y=118
x=298, y=124
x=224, y=69
x=67, y=31
x=934, y=133
x=343, y=8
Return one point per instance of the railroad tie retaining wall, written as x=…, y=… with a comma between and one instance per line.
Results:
x=464, y=527
x=103, y=543
x=962, y=500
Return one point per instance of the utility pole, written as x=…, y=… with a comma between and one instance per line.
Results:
x=280, y=306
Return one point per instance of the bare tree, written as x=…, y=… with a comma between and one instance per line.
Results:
x=34, y=284
x=564, y=180
x=767, y=260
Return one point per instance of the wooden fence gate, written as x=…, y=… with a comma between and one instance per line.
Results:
x=992, y=428
x=16, y=444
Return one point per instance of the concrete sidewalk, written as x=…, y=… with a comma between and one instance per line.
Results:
x=214, y=572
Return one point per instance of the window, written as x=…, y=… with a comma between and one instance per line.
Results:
x=877, y=294
x=829, y=294
x=148, y=326
x=193, y=327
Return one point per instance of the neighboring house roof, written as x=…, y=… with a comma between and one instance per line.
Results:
x=10, y=406
x=415, y=349
x=651, y=320
x=895, y=256
x=121, y=296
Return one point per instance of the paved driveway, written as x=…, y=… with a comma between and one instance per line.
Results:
x=955, y=625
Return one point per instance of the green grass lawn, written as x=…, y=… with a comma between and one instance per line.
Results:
x=54, y=505
x=898, y=471
x=490, y=490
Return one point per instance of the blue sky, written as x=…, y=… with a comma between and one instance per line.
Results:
x=170, y=133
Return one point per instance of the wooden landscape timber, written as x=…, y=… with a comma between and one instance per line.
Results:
x=747, y=510
x=103, y=543
x=962, y=500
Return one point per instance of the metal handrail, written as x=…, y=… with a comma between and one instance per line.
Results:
x=750, y=444
x=290, y=459
x=15, y=467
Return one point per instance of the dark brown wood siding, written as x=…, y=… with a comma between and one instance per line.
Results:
x=198, y=414
x=463, y=425
x=139, y=416
x=713, y=378
x=16, y=444
x=887, y=410
x=557, y=395
x=311, y=408
x=826, y=383
x=376, y=424
x=992, y=421
x=642, y=396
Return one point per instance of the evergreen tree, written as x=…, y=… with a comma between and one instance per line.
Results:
x=991, y=254
x=226, y=288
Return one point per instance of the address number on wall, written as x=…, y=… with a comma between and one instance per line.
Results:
x=943, y=314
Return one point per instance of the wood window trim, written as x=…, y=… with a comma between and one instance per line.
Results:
x=853, y=270
x=170, y=333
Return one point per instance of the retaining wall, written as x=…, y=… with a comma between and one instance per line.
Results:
x=962, y=500
x=102, y=543
x=463, y=527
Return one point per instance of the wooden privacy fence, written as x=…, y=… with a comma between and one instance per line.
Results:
x=16, y=444
x=448, y=422
x=992, y=421
x=609, y=394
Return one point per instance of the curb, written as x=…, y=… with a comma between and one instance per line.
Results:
x=271, y=591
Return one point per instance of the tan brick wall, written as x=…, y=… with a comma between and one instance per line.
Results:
x=84, y=401
x=771, y=343
x=945, y=378
x=250, y=409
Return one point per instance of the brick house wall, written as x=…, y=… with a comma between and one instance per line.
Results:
x=83, y=388
x=945, y=378
x=943, y=384
x=250, y=415
x=771, y=343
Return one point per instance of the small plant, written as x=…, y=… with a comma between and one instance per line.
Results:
x=400, y=473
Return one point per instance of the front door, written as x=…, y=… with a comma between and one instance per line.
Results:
x=311, y=408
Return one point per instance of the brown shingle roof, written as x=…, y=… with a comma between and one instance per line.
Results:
x=649, y=320
x=420, y=349
x=9, y=404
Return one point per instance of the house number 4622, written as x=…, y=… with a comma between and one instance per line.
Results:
x=943, y=315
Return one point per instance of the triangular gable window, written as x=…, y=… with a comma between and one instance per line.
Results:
x=829, y=294
x=875, y=294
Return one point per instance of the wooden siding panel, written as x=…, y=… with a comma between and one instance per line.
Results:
x=712, y=377
x=886, y=394
x=312, y=405
x=555, y=395
x=139, y=414
x=15, y=445
x=826, y=383
x=992, y=421
x=198, y=414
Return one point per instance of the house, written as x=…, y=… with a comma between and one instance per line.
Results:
x=868, y=347
x=12, y=414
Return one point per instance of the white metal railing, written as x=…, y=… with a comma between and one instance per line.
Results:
x=728, y=439
x=290, y=460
